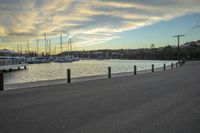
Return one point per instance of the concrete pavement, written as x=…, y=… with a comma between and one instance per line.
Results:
x=160, y=102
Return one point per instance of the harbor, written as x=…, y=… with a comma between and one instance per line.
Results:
x=99, y=66
x=81, y=68
x=12, y=63
x=165, y=101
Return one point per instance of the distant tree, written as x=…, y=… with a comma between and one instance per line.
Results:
x=152, y=46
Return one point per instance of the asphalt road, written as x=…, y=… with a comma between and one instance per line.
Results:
x=160, y=102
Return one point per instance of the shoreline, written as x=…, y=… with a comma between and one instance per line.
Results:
x=27, y=85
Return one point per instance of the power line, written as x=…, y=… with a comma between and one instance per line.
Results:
x=194, y=28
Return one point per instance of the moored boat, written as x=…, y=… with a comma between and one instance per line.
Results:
x=37, y=60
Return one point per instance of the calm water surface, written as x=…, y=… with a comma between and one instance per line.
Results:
x=49, y=71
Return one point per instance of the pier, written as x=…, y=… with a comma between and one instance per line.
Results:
x=165, y=101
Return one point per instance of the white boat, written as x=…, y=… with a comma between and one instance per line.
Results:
x=37, y=60
x=63, y=59
x=10, y=63
x=75, y=58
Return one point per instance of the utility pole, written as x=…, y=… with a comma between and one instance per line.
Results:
x=179, y=50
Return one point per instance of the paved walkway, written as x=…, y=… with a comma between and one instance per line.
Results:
x=160, y=102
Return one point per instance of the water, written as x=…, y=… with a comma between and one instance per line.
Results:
x=49, y=71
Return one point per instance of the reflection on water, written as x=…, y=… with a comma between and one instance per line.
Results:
x=37, y=72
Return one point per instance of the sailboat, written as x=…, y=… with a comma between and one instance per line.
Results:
x=62, y=58
x=70, y=49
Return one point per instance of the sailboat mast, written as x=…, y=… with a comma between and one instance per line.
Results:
x=45, y=41
x=20, y=49
x=37, y=46
x=71, y=44
x=47, y=47
x=28, y=47
x=61, y=43
x=50, y=47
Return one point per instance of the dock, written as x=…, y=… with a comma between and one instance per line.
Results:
x=12, y=63
x=13, y=67
x=160, y=102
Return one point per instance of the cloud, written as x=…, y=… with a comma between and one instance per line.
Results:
x=88, y=21
x=2, y=31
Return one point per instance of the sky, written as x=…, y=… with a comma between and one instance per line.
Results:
x=97, y=24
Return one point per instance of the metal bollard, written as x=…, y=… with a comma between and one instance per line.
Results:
x=152, y=68
x=172, y=65
x=164, y=67
x=1, y=81
x=176, y=65
x=109, y=72
x=68, y=76
x=135, y=70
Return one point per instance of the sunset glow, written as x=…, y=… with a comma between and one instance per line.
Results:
x=94, y=24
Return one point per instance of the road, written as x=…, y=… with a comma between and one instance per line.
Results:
x=160, y=102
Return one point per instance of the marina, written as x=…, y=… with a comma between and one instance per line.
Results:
x=12, y=63
x=82, y=68
x=99, y=66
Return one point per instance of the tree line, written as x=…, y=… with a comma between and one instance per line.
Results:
x=188, y=51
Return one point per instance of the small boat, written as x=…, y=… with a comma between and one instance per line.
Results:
x=75, y=59
x=37, y=60
x=10, y=63
x=63, y=59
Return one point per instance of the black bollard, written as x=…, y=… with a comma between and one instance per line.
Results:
x=172, y=66
x=176, y=65
x=1, y=81
x=152, y=68
x=68, y=76
x=164, y=67
x=109, y=72
x=135, y=70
